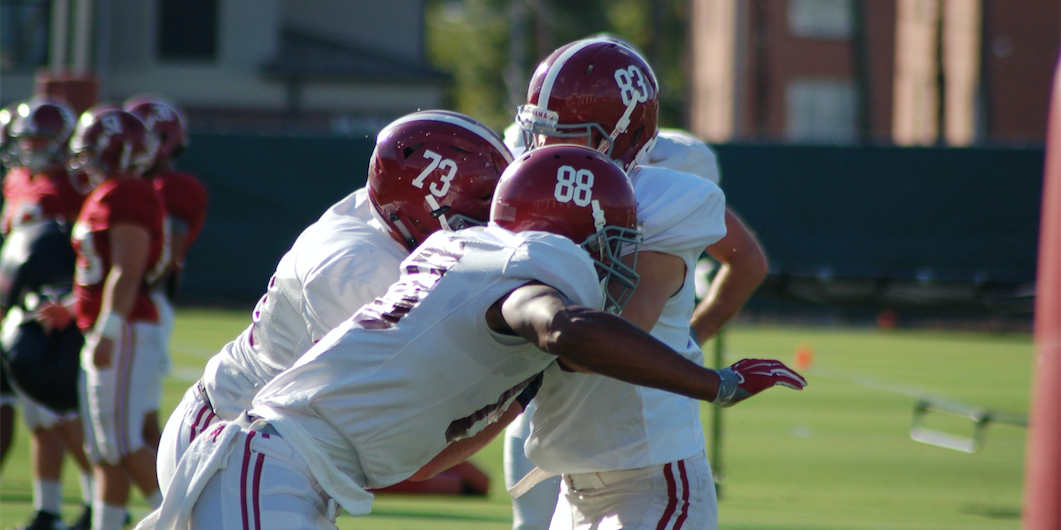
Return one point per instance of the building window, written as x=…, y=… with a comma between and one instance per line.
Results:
x=820, y=19
x=187, y=30
x=24, y=35
x=821, y=111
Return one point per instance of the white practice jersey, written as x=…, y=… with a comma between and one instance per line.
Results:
x=613, y=425
x=674, y=149
x=386, y=391
x=678, y=150
x=338, y=264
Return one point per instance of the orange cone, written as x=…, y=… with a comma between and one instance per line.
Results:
x=803, y=357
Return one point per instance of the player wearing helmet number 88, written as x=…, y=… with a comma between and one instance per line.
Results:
x=630, y=445
x=437, y=360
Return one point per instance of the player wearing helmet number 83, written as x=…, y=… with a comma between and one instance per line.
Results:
x=475, y=317
x=629, y=456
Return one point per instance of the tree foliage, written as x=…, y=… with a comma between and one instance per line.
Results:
x=491, y=47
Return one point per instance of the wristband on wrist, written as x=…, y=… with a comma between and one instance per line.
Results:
x=727, y=387
x=109, y=326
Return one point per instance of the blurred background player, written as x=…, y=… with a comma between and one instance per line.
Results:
x=443, y=355
x=8, y=398
x=120, y=243
x=40, y=205
x=430, y=171
x=657, y=436
x=185, y=200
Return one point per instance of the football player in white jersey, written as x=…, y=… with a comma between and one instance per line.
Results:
x=603, y=94
x=346, y=259
x=477, y=315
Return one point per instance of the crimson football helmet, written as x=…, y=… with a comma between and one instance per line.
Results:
x=164, y=119
x=578, y=193
x=434, y=170
x=39, y=131
x=108, y=142
x=599, y=90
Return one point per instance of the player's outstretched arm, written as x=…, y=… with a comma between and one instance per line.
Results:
x=743, y=266
x=608, y=345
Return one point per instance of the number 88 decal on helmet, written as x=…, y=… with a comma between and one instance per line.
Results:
x=578, y=193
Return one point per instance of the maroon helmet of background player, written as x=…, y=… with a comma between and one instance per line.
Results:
x=39, y=131
x=163, y=118
x=578, y=193
x=434, y=170
x=596, y=89
x=110, y=142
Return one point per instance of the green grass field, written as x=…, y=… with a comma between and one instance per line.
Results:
x=835, y=456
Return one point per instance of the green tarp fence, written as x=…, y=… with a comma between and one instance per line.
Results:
x=967, y=215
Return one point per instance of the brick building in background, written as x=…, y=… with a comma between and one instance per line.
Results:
x=911, y=72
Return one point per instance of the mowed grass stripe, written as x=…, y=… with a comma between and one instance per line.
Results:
x=835, y=456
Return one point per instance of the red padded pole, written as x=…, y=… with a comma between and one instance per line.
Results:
x=1042, y=468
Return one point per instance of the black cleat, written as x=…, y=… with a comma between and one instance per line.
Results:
x=84, y=521
x=43, y=520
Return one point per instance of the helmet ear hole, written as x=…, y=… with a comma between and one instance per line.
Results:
x=411, y=150
x=635, y=138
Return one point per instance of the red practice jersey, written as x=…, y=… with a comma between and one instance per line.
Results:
x=29, y=198
x=117, y=202
x=185, y=200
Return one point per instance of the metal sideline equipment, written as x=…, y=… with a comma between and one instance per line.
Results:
x=980, y=417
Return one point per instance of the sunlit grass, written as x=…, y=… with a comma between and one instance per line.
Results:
x=835, y=456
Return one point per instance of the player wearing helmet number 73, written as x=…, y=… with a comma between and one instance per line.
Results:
x=430, y=170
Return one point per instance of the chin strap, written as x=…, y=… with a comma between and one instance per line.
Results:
x=620, y=126
x=409, y=241
x=438, y=212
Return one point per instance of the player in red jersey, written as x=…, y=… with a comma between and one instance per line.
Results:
x=38, y=185
x=185, y=200
x=121, y=245
x=42, y=360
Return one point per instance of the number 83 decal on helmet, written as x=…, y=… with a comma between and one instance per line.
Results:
x=578, y=193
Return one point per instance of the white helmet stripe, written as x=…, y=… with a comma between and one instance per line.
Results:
x=558, y=64
x=479, y=130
